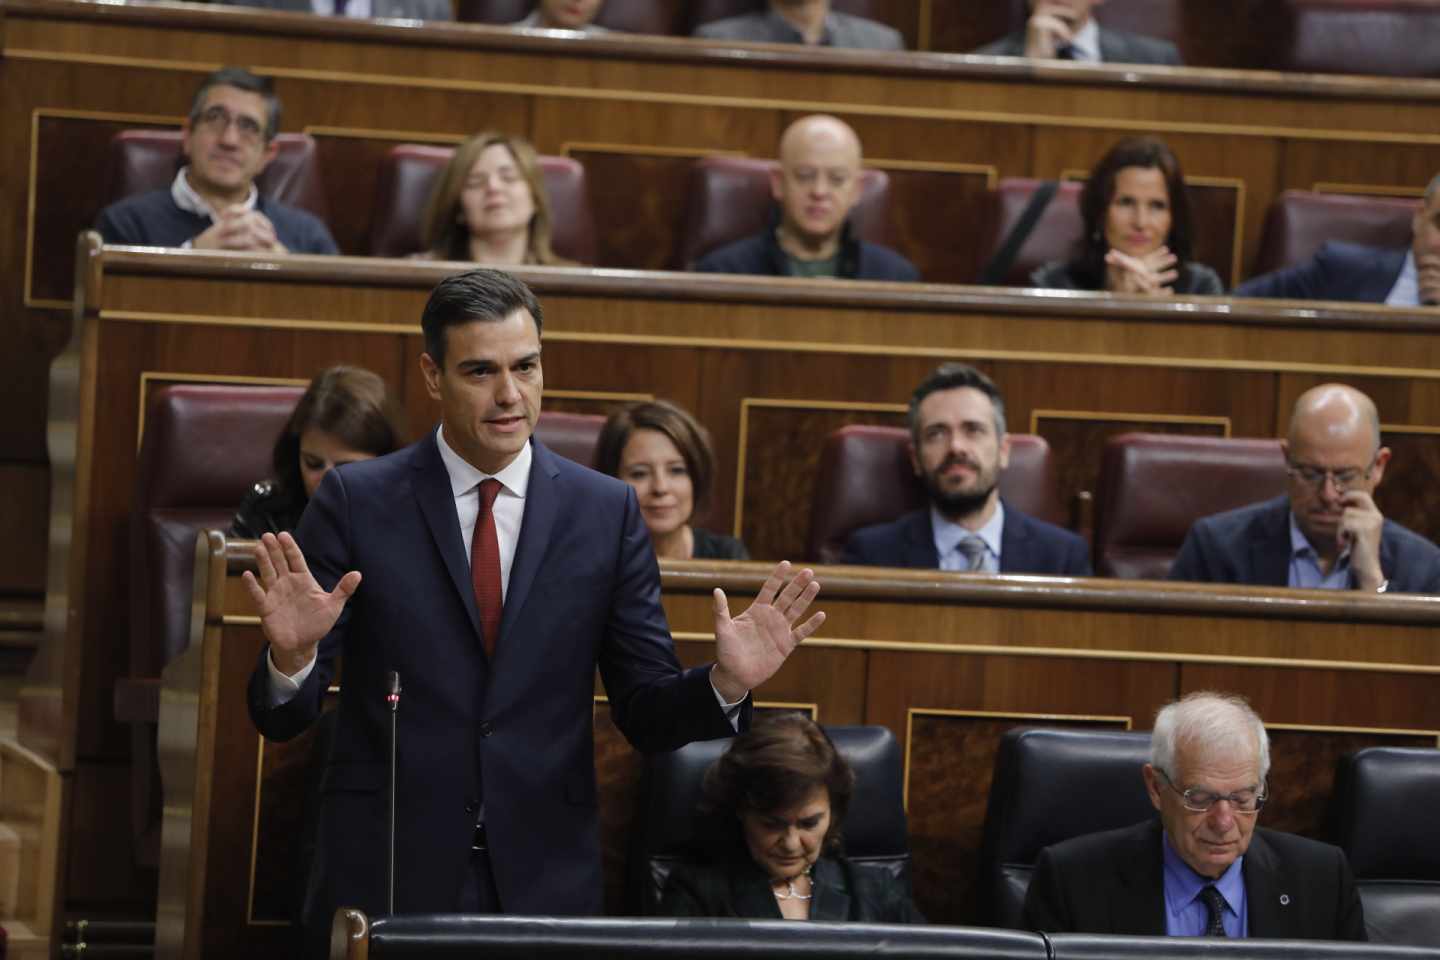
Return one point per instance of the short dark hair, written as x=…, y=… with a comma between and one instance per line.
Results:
x=683, y=430
x=776, y=764
x=1147, y=153
x=350, y=403
x=480, y=294
x=241, y=79
x=952, y=376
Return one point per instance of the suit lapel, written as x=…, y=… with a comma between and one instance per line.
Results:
x=437, y=505
x=541, y=500
x=1113, y=48
x=751, y=894
x=1271, y=912
x=1270, y=553
x=1014, y=537
x=920, y=542
x=1141, y=910
x=831, y=901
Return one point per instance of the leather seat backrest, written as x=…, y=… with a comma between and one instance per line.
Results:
x=1299, y=221
x=143, y=160
x=1153, y=486
x=875, y=830
x=1393, y=38
x=410, y=171
x=1385, y=798
x=204, y=446
x=729, y=199
x=1056, y=236
x=571, y=435
x=866, y=477
x=1051, y=785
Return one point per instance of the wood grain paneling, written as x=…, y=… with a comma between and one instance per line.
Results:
x=639, y=204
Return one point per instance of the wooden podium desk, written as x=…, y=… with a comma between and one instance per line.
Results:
x=771, y=366
x=948, y=662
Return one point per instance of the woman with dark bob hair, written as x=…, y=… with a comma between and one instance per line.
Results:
x=664, y=453
x=345, y=415
x=490, y=205
x=1137, y=228
x=779, y=795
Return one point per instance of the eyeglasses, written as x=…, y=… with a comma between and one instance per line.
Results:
x=217, y=119
x=1315, y=477
x=1200, y=801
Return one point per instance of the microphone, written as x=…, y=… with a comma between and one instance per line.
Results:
x=392, y=697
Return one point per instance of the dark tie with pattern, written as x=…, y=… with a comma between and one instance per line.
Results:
x=340, y=6
x=485, y=566
x=1215, y=906
x=1066, y=52
x=973, y=550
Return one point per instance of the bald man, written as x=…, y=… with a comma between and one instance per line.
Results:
x=1066, y=30
x=815, y=188
x=1326, y=532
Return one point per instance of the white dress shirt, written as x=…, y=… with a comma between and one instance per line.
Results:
x=1406, y=292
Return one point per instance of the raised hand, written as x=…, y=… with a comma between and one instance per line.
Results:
x=752, y=646
x=295, y=612
x=1360, y=526
x=1153, y=274
x=1051, y=26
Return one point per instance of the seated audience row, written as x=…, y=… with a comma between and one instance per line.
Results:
x=491, y=205
x=768, y=845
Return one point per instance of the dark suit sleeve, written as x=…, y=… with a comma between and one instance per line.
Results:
x=1192, y=562
x=1349, y=914
x=1077, y=561
x=1045, y=908
x=1305, y=281
x=687, y=894
x=653, y=702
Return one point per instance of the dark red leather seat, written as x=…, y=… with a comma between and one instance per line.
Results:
x=1056, y=236
x=409, y=172
x=1299, y=221
x=572, y=435
x=730, y=198
x=866, y=477
x=142, y=160
x=1153, y=486
x=1393, y=38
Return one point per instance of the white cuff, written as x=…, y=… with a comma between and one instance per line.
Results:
x=284, y=687
x=732, y=710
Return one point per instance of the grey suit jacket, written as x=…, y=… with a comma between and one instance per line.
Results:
x=1116, y=46
x=841, y=30
x=1113, y=882
x=385, y=9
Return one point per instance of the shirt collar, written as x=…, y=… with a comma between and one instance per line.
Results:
x=1183, y=884
x=1087, y=42
x=465, y=477
x=948, y=534
x=1406, y=291
x=188, y=200
x=1300, y=546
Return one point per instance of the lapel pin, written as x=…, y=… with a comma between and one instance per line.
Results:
x=1284, y=899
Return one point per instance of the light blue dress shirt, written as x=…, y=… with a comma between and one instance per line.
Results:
x=1305, y=564
x=948, y=536
x=1185, y=912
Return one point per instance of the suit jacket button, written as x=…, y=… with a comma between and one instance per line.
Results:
x=472, y=808
x=485, y=728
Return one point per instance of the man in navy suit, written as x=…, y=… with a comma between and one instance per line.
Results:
x=1203, y=868
x=496, y=577
x=1350, y=271
x=1065, y=30
x=1326, y=532
x=958, y=446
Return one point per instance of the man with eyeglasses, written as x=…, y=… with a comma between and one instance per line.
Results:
x=213, y=202
x=816, y=187
x=1203, y=868
x=1326, y=532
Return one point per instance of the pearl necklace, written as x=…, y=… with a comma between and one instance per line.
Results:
x=790, y=892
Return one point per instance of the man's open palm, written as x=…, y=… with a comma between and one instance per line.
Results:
x=752, y=646
x=295, y=612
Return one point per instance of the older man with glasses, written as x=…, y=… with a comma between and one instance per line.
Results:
x=213, y=202
x=1203, y=868
x=1326, y=532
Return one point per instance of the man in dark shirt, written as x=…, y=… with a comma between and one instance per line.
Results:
x=213, y=203
x=816, y=187
x=804, y=21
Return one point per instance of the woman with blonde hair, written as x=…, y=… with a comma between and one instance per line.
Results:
x=490, y=205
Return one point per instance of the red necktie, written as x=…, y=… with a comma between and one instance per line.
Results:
x=485, y=566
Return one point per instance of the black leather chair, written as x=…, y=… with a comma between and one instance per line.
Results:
x=1386, y=798
x=1087, y=946
x=1051, y=785
x=874, y=828
x=572, y=938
